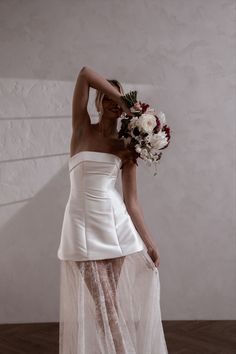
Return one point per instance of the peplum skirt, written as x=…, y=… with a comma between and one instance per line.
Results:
x=111, y=306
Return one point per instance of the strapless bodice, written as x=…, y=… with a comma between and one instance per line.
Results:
x=92, y=171
x=96, y=223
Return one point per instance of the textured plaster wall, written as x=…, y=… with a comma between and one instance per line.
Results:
x=180, y=56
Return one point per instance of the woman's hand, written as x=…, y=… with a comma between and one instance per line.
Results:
x=124, y=107
x=154, y=254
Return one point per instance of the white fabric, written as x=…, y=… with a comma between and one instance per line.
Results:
x=111, y=306
x=109, y=285
x=96, y=223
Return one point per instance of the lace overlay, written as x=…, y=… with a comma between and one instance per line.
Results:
x=111, y=306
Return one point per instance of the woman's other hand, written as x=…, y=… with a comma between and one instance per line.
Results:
x=154, y=254
x=124, y=107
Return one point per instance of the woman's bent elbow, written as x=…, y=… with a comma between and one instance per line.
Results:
x=132, y=207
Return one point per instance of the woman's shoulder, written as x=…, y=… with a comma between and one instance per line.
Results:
x=129, y=157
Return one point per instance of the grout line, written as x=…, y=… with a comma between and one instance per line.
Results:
x=15, y=202
x=38, y=117
x=33, y=158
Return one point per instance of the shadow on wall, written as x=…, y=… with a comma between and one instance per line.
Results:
x=30, y=278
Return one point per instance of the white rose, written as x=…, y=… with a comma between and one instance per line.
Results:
x=150, y=110
x=133, y=123
x=162, y=118
x=144, y=152
x=147, y=122
x=158, y=140
x=138, y=148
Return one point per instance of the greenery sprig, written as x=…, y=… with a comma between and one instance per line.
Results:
x=130, y=98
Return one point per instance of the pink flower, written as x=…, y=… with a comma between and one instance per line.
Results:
x=137, y=106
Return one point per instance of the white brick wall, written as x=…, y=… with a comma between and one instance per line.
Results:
x=180, y=55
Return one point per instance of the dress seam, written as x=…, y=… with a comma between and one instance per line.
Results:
x=85, y=212
x=114, y=221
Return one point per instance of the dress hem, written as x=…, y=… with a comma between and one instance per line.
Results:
x=91, y=258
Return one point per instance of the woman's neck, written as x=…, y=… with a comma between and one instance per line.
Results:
x=107, y=129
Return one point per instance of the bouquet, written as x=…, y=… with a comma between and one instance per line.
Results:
x=146, y=132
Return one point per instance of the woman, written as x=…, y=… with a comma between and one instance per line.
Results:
x=110, y=290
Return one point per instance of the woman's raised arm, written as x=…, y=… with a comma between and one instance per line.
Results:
x=80, y=116
x=89, y=78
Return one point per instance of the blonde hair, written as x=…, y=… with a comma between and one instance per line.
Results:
x=100, y=94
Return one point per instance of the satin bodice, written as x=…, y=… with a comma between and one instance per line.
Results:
x=96, y=223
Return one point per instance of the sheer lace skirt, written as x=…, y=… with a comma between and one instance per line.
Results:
x=111, y=306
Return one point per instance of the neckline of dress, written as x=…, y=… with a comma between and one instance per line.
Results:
x=96, y=152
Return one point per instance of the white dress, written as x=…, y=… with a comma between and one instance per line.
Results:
x=96, y=223
x=109, y=285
